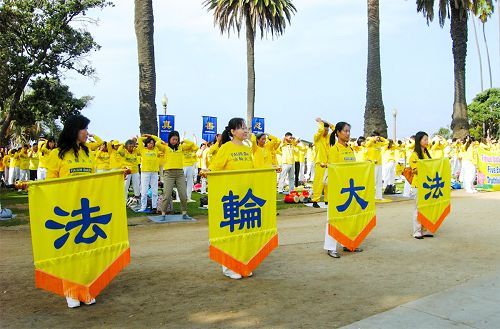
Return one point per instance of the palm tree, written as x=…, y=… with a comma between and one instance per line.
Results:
x=484, y=11
x=268, y=16
x=459, y=11
x=374, y=108
x=144, y=31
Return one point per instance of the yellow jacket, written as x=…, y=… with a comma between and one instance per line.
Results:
x=261, y=155
x=232, y=157
x=299, y=152
x=150, y=161
x=130, y=160
x=24, y=161
x=70, y=165
x=339, y=153
x=189, y=154
x=374, y=149
x=322, y=144
x=102, y=160
x=33, y=156
x=174, y=158
x=413, y=164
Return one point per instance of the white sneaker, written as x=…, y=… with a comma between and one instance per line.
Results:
x=250, y=274
x=92, y=301
x=72, y=303
x=230, y=273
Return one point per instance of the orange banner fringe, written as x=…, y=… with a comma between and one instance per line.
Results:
x=239, y=267
x=347, y=242
x=78, y=291
x=430, y=225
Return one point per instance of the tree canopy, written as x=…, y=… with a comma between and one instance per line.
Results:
x=484, y=114
x=40, y=39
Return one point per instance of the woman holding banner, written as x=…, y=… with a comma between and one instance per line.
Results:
x=339, y=152
x=72, y=158
x=420, y=153
x=233, y=154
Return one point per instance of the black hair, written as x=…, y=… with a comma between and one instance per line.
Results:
x=129, y=142
x=171, y=134
x=468, y=141
x=259, y=135
x=215, y=139
x=288, y=134
x=360, y=140
x=338, y=127
x=149, y=140
x=234, y=123
x=418, y=148
x=326, y=125
x=50, y=139
x=391, y=143
x=69, y=135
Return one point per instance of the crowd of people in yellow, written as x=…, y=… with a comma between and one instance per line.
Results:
x=298, y=162
x=147, y=160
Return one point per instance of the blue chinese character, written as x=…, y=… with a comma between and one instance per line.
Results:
x=85, y=222
x=247, y=211
x=352, y=193
x=436, y=187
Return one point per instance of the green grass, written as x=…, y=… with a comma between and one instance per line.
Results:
x=18, y=203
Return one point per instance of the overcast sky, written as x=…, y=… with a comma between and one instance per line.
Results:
x=316, y=69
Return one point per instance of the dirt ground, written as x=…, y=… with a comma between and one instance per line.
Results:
x=171, y=283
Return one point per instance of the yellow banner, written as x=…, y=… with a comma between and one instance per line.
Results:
x=434, y=188
x=79, y=233
x=242, y=217
x=489, y=166
x=351, y=202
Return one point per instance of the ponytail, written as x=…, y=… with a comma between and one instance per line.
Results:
x=234, y=123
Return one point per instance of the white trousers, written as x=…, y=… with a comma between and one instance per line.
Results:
x=13, y=175
x=418, y=229
x=149, y=179
x=189, y=176
x=469, y=174
x=330, y=243
x=203, y=189
x=389, y=170
x=24, y=175
x=135, y=179
x=41, y=173
x=287, y=169
x=455, y=164
x=309, y=171
x=378, y=182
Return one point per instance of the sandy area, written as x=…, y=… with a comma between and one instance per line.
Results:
x=172, y=283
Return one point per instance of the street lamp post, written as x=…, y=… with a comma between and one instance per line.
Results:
x=164, y=102
x=394, y=114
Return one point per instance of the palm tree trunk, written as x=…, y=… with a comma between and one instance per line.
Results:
x=250, y=69
x=144, y=30
x=478, y=51
x=487, y=56
x=374, y=108
x=458, y=31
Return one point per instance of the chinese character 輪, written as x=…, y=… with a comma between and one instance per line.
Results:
x=247, y=211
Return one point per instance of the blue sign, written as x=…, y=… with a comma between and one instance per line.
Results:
x=257, y=125
x=209, y=129
x=167, y=124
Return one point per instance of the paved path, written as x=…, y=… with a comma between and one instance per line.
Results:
x=475, y=304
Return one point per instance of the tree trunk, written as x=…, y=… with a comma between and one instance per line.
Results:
x=374, y=108
x=12, y=109
x=250, y=70
x=487, y=56
x=458, y=31
x=478, y=51
x=144, y=30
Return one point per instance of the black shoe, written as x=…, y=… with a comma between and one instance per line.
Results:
x=428, y=235
x=418, y=237
x=316, y=205
x=326, y=203
x=355, y=250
